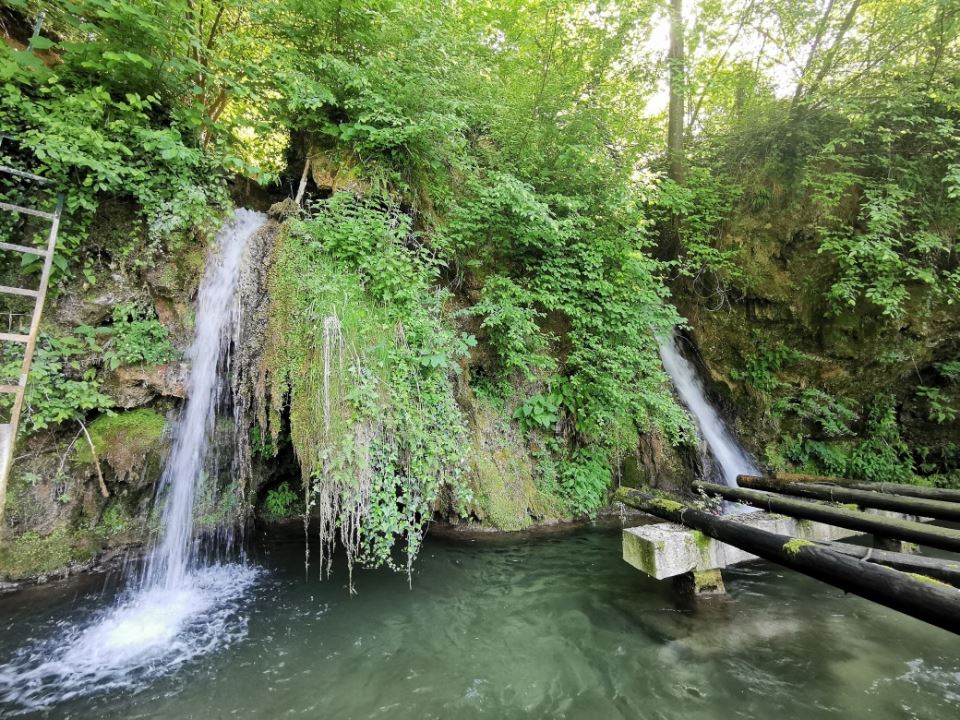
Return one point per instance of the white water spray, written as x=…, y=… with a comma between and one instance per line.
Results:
x=178, y=610
x=728, y=453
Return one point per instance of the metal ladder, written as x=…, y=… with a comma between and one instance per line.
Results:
x=8, y=431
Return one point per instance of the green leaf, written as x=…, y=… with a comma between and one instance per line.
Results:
x=41, y=43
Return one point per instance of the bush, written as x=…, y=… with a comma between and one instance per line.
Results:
x=281, y=501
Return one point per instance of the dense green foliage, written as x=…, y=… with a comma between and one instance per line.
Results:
x=281, y=501
x=489, y=228
x=360, y=357
x=61, y=387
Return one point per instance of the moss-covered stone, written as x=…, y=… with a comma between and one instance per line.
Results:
x=33, y=554
x=702, y=542
x=125, y=440
x=502, y=474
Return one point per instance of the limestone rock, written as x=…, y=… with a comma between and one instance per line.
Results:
x=135, y=385
x=95, y=306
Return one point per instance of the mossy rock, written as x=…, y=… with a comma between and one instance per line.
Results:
x=506, y=495
x=32, y=554
x=126, y=440
x=177, y=277
x=503, y=499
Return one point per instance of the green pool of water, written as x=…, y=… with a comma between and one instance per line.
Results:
x=552, y=626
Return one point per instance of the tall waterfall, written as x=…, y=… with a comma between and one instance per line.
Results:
x=732, y=459
x=172, y=557
x=180, y=608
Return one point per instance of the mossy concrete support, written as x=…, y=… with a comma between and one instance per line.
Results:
x=699, y=584
x=664, y=550
x=917, y=596
x=882, y=542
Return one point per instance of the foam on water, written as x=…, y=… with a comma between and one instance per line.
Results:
x=147, y=634
x=724, y=447
x=178, y=609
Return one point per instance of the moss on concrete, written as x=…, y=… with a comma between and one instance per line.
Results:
x=702, y=542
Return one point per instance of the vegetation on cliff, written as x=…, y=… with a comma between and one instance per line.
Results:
x=460, y=311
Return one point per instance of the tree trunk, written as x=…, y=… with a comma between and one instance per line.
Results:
x=946, y=571
x=669, y=245
x=881, y=487
x=676, y=62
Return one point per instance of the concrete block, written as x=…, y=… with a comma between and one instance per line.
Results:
x=666, y=549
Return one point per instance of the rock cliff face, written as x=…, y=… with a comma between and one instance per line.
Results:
x=785, y=364
x=803, y=386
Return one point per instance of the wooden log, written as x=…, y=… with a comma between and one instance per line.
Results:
x=947, y=571
x=933, y=603
x=930, y=535
x=924, y=507
x=883, y=487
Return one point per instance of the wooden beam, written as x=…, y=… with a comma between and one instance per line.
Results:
x=939, y=509
x=12, y=247
x=883, y=487
x=23, y=292
x=938, y=568
x=930, y=535
x=931, y=602
x=22, y=174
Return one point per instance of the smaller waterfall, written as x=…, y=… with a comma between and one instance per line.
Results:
x=732, y=459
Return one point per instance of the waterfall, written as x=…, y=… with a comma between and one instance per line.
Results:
x=180, y=608
x=724, y=448
x=172, y=557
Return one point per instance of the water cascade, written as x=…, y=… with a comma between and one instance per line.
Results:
x=172, y=558
x=177, y=608
x=732, y=459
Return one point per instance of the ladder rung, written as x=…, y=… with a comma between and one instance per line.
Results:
x=13, y=337
x=23, y=249
x=7, y=290
x=13, y=389
x=25, y=210
x=21, y=173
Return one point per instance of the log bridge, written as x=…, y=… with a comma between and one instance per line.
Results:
x=800, y=522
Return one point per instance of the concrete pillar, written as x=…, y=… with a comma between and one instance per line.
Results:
x=700, y=583
x=881, y=542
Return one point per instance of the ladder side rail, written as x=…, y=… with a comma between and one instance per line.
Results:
x=11, y=440
x=37, y=314
x=23, y=174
